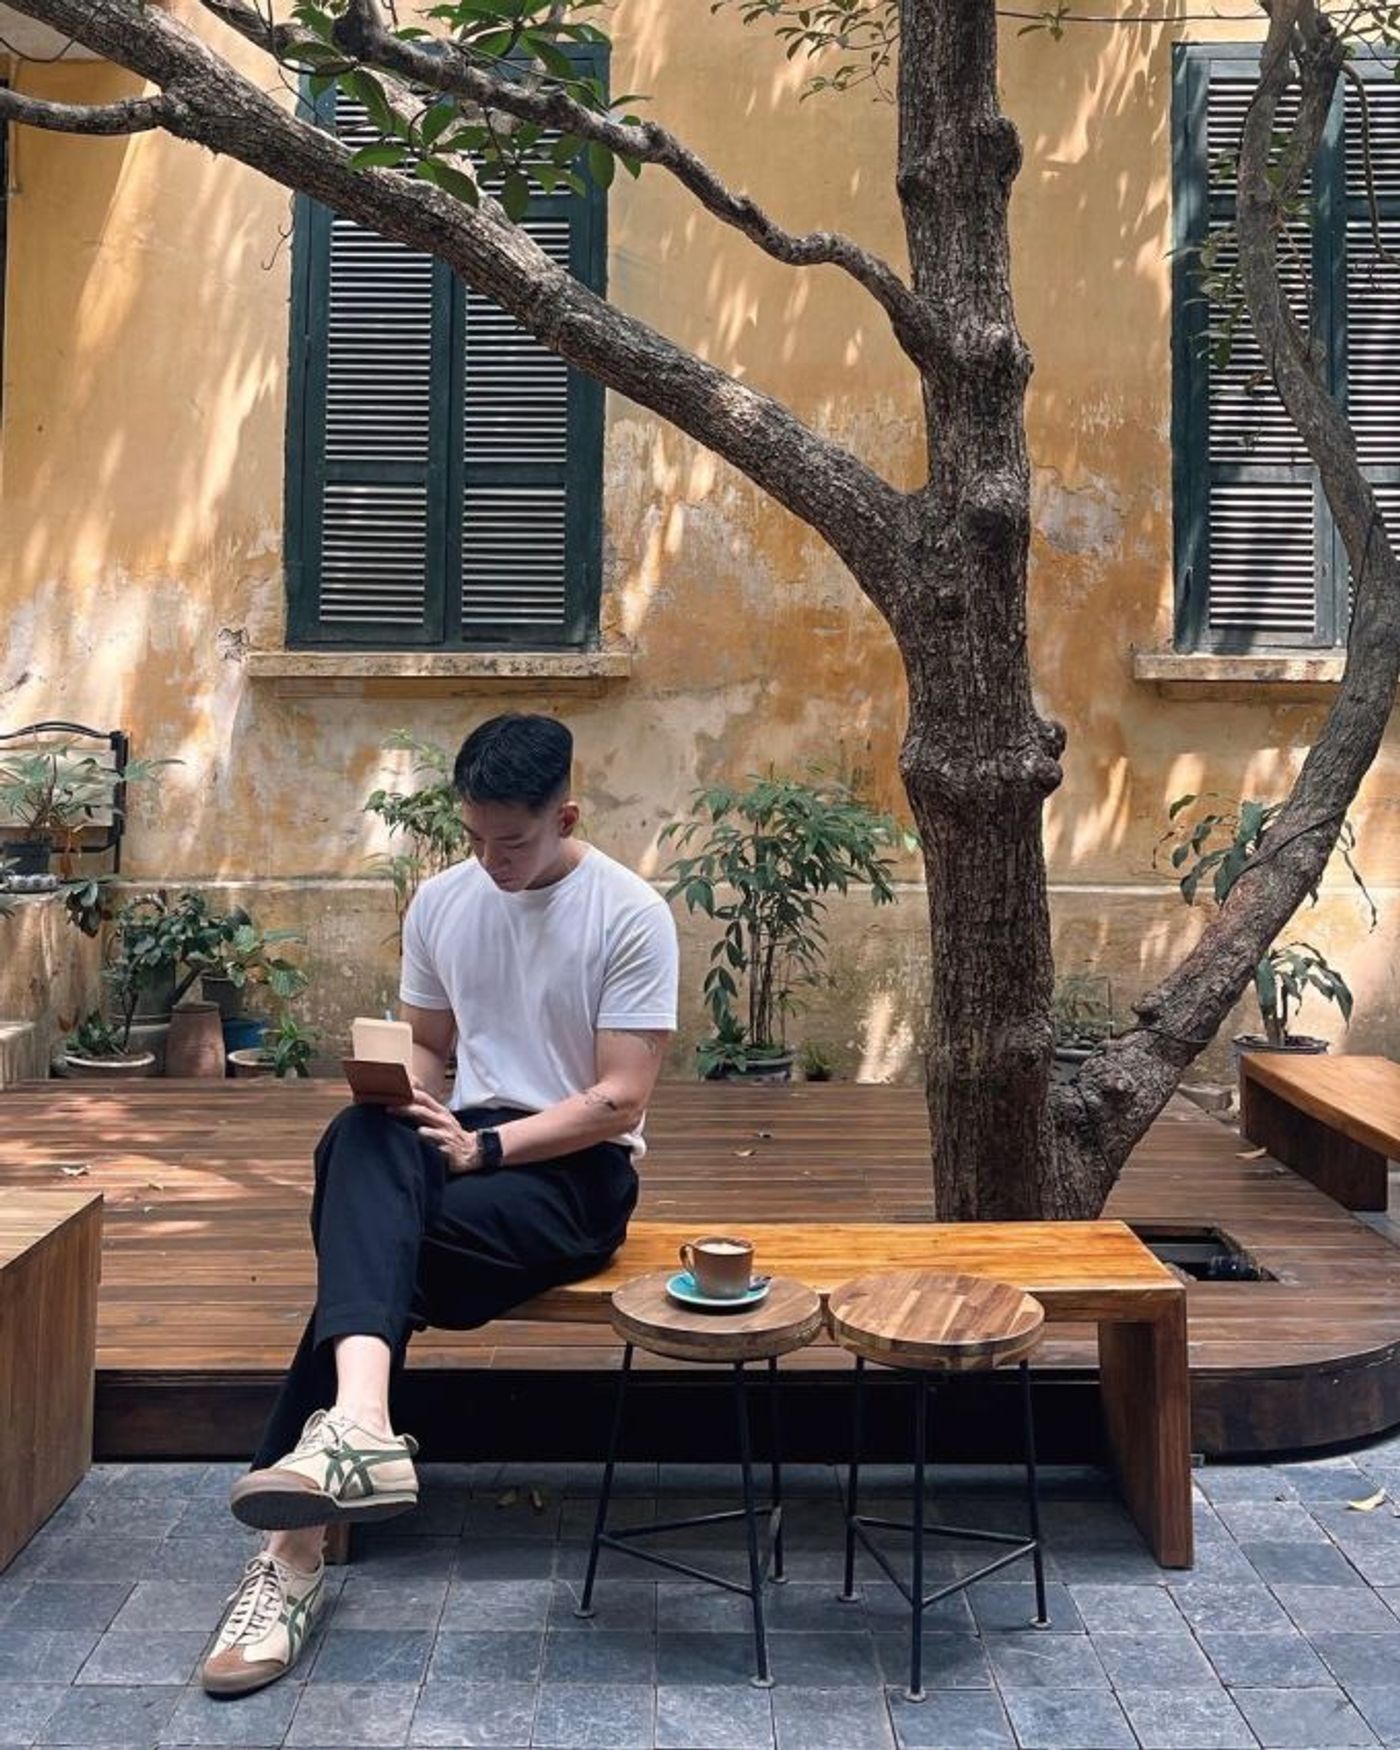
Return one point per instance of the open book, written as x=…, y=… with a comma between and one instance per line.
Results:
x=381, y=1055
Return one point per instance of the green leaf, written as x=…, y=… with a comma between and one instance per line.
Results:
x=601, y=166
x=366, y=89
x=436, y=122
x=451, y=181
x=515, y=196
x=381, y=157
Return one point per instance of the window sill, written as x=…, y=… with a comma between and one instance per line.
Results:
x=1240, y=678
x=375, y=674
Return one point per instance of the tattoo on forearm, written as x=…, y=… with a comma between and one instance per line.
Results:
x=596, y=1097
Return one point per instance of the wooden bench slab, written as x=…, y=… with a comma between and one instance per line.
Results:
x=1089, y=1272
x=50, y=1261
x=1335, y=1120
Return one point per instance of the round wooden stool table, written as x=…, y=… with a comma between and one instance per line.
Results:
x=929, y=1326
x=646, y=1317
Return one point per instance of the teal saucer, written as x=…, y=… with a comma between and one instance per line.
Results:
x=682, y=1287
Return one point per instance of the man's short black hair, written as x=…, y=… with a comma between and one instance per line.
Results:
x=517, y=757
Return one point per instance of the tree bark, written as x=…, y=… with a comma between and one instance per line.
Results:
x=978, y=760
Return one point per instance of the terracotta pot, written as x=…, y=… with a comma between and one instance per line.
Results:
x=195, y=1046
x=128, y=1068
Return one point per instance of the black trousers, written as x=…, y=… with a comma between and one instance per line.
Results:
x=401, y=1243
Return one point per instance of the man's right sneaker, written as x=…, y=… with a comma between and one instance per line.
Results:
x=338, y=1472
x=264, y=1626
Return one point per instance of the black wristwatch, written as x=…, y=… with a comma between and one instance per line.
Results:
x=488, y=1144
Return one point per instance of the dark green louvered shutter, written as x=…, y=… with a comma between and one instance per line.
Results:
x=1258, y=563
x=444, y=469
x=1371, y=337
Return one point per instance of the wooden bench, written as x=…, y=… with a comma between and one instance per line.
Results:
x=1334, y=1120
x=50, y=1263
x=1087, y=1272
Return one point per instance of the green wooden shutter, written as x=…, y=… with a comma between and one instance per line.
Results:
x=445, y=469
x=1371, y=332
x=1253, y=557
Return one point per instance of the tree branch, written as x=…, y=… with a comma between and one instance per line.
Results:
x=1120, y=1091
x=445, y=67
x=848, y=503
x=133, y=115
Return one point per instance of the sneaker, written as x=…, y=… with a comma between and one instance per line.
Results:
x=264, y=1626
x=338, y=1472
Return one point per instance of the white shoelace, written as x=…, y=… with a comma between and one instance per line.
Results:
x=256, y=1604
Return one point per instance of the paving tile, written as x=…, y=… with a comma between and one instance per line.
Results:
x=885, y=1607
x=1324, y=1609
x=196, y=1559
x=951, y=1719
x=617, y=1604
x=101, y=1558
x=458, y=1712
x=259, y=1719
x=1301, y=1564
x=1108, y=1567
x=1360, y=1658
x=65, y=1604
x=391, y=1655
x=358, y=1714
x=153, y=1605
x=1036, y=1661
x=1216, y=1564
x=25, y=1708
x=1270, y=1522
x=1068, y=1719
x=1010, y=1605
x=1241, y=1608
x=830, y=1719
x=110, y=1715
x=706, y=1657
x=826, y=1661
x=1328, y=1480
x=1153, y=1661
x=1379, y=1706
x=1220, y=1483
x=488, y=1655
x=509, y=1558
x=595, y=1716
x=1179, y=1718
x=124, y=1656
x=1270, y=1660
x=695, y=1717
x=497, y=1604
x=951, y=1661
x=44, y=1655
x=381, y=1557
x=390, y=1604
x=803, y=1606
x=1303, y=1719
x=607, y=1656
x=1126, y=1609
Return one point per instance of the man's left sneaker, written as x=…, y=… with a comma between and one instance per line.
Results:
x=338, y=1473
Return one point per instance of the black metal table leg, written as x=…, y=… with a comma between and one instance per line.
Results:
x=762, y=1680
x=775, y=1435
x=1042, y=1616
x=848, y=1596
x=915, y=1691
x=585, y=1604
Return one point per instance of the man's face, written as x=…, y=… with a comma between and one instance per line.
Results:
x=515, y=845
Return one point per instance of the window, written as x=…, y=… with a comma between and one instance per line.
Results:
x=444, y=478
x=1258, y=563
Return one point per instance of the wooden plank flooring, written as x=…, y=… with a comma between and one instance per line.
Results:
x=208, y=1270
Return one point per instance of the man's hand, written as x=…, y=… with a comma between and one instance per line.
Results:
x=439, y=1127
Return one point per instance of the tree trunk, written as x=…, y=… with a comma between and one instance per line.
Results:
x=978, y=761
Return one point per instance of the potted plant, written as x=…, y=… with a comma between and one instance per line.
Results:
x=287, y=1050
x=817, y=1061
x=763, y=857
x=1082, y=1015
x=243, y=960
x=97, y=1047
x=1216, y=846
x=429, y=817
x=48, y=795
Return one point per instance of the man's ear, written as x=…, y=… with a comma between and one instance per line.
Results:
x=568, y=818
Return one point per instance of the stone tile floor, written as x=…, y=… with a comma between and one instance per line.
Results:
x=455, y=1626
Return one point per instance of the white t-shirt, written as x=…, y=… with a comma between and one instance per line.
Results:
x=531, y=976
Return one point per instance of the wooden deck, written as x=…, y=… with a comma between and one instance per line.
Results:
x=208, y=1271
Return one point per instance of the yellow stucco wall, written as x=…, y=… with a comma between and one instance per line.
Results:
x=141, y=478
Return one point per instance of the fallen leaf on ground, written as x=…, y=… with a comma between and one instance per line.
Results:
x=1370, y=1504
x=1251, y=1154
x=764, y=1135
x=537, y=1500
x=508, y=1498
x=73, y=1172
x=743, y=1153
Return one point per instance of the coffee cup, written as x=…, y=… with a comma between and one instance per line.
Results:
x=719, y=1265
